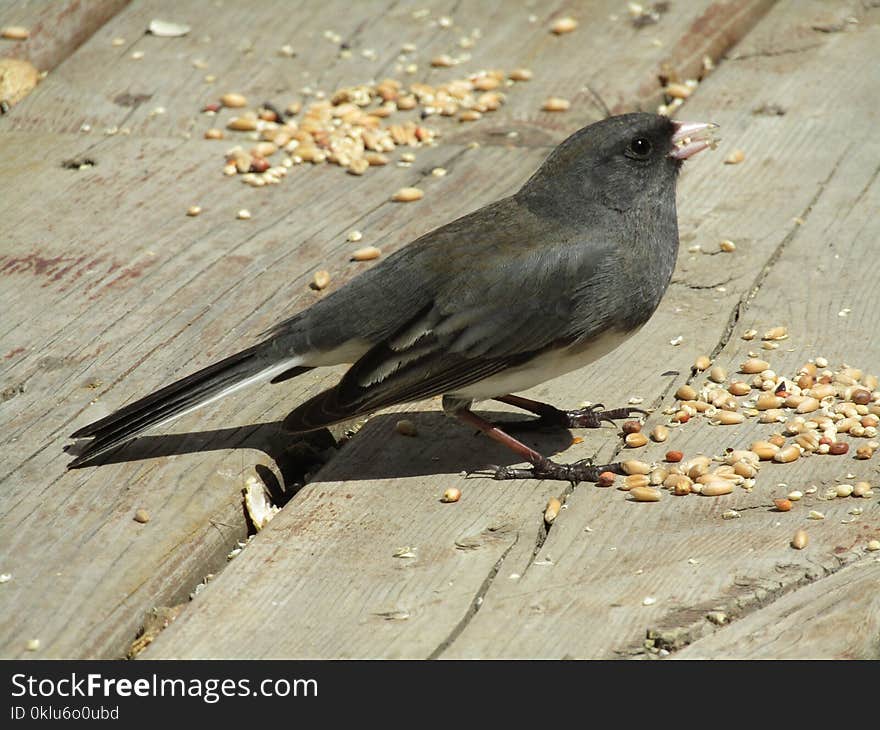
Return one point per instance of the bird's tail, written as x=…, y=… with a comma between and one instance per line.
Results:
x=184, y=396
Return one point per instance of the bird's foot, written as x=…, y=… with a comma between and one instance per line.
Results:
x=579, y=471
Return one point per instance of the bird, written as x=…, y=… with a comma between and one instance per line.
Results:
x=527, y=288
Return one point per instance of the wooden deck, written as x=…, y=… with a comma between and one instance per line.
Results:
x=109, y=290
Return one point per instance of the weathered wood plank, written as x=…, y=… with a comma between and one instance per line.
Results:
x=589, y=602
x=57, y=27
x=583, y=596
x=147, y=294
x=837, y=617
x=580, y=593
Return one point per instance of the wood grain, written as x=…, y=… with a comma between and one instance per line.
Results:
x=109, y=291
x=580, y=592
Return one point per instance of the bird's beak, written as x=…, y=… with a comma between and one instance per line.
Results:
x=691, y=137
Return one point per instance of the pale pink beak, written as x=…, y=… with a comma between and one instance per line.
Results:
x=690, y=138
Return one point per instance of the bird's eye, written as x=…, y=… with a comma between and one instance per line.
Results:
x=639, y=148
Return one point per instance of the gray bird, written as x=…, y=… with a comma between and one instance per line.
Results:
x=518, y=292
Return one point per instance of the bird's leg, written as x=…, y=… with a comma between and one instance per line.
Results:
x=548, y=415
x=542, y=467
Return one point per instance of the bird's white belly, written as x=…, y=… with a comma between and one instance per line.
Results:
x=543, y=368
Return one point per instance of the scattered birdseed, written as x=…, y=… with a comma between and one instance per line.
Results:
x=404, y=552
x=142, y=516
x=873, y=545
x=320, y=280
x=438, y=171
x=645, y=494
x=193, y=210
x=33, y=645
x=552, y=509
x=556, y=104
x=730, y=514
x=735, y=157
x=815, y=515
x=243, y=215
x=368, y=253
x=164, y=29
x=564, y=25
x=355, y=236
x=117, y=42
x=15, y=33
x=727, y=246
x=649, y=601
x=5, y=577
x=137, y=55
x=520, y=74
x=719, y=618
x=676, y=341
x=800, y=540
x=407, y=195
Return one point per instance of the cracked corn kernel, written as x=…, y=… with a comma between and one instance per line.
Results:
x=243, y=215
x=451, y=495
x=800, y=540
x=735, y=157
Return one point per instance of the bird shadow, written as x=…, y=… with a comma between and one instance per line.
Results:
x=441, y=445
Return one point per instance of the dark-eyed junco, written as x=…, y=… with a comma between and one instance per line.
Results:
x=520, y=291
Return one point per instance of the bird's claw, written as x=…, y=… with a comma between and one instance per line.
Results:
x=578, y=471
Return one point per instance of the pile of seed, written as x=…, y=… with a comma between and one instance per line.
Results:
x=349, y=127
x=821, y=411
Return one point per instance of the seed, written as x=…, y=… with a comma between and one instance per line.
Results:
x=17, y=33
x=520, y=74
x=782, y=505
x=764, y=449
x=631, y=427
x=659, y=433
x=321, y=279
x=242, y=124
x=142, y=516
x=753, y=366
x=844, y=490
x=749, y=334
x=645, y=494
x=552, y=510
x=674, y=456
x=243, y=215
x=864, y=452
x=728, y=418
x=739, y=387
x=702, y=363
x=717, y=487
x=556, y=104
x=407, y=195
x=635, y=480
x=214, y=133
x=768, y=401
x=193, y=210
x=32, y=645
x=860, y=488
x=469, y=115
x=606, y=479
x=259, y=164
x=800, y=540
x=686, y=392
x=735, y=157
x=442, y=61
x=861, y=397
x=719, y=618
x=838, y=448
x=873, y=545
x=681, y=417
x=815, y=515
x=233, y=100
x=633, y=466
x=679, y=484
x=677, y=91
x=808, y=405
x=368, y=253
x=636, y=440
x=564, y=25
x=657, y=476
x=451, y=495
x=718, y=374
x=727, y=246
x=787, y=454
